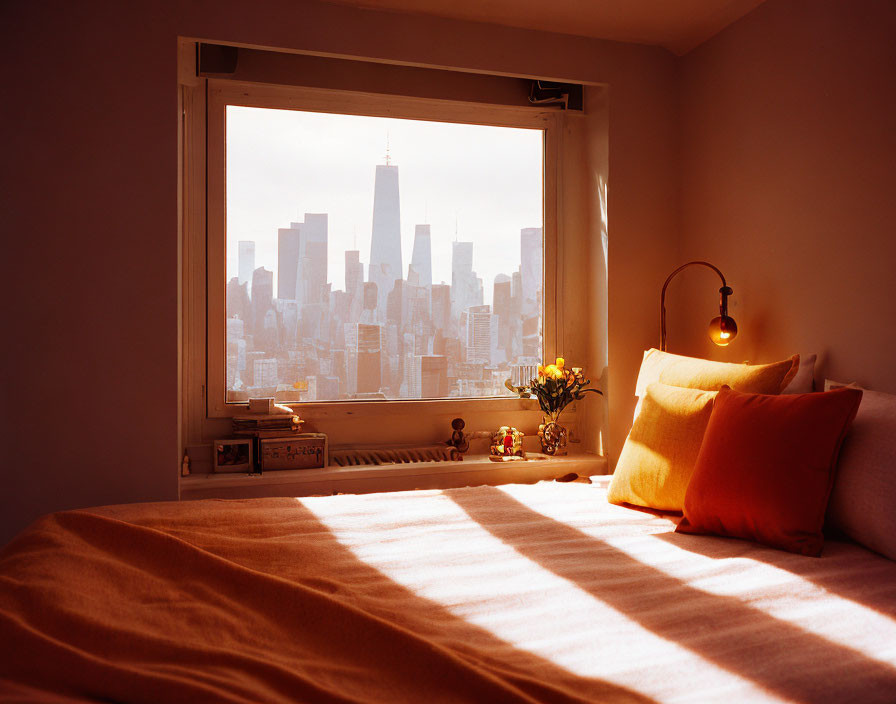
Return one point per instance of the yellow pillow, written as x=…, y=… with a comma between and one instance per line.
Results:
x=658, y=457
x=693, y=373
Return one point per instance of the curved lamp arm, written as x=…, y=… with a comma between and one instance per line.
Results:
x=727, y=324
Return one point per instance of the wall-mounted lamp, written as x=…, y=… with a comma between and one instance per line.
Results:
x=722, y=329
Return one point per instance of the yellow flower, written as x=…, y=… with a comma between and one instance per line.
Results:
x=553, y=372
x=560, y=362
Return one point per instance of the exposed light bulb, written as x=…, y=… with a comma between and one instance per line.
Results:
x=722, y=330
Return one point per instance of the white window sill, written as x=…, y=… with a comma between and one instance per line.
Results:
x=473, y=470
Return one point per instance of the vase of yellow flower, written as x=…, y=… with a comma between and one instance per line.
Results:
x=553, y=436
x=555, y=387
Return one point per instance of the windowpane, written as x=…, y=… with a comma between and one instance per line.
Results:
x=380, y=258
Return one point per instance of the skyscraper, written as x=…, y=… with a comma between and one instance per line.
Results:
x=441, y=308
x=368, y=303
x=396, y=305
x=421, y=259
x=385, y=244
x=246, y=261
x=433, y=376
x=419, y=310
x=302, y=260
x=461, y=260
x=267, y=334
x=313, y=253
x=482, y=334
x=531, y=269
x=288, y=252
x=427, y=376
x=502, y=305
x=531, y=285
x=465, y=290
x=237, y=298
x=354, y=272
x=262, y=298
x=354, y=284
x=363, y=351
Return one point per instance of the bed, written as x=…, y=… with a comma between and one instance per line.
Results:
x=521, y=593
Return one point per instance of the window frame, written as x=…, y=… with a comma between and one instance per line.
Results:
x=204, y=222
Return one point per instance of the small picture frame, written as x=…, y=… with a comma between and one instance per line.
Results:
x=232, y=455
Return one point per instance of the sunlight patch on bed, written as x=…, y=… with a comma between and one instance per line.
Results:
x=730, y=568
x=439, y=553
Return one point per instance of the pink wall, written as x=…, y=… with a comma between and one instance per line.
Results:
x=643, y=234
x=90, y=258
x=89, y=187
x=788, y=149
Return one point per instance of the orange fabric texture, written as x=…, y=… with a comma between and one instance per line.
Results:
x=519, y=594
x=240, y=602
x=766, y=467
x=658, y=457
x=694, y=373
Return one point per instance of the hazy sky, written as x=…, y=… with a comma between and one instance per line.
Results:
x=284, y=163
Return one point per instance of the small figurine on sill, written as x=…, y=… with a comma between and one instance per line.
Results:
x=458, y=439
x=507, y=443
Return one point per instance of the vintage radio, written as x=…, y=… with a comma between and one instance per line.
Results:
x=299, y=451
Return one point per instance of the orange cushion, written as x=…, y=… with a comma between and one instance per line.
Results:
x=766, y=467
x=658, y=457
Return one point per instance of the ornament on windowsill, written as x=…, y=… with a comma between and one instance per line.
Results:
x=555, y=388
x=507, y=445
x=458, y=439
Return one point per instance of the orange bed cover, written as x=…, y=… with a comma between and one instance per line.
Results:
x=540, y=593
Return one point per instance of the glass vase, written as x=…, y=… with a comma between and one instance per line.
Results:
x=552, y=435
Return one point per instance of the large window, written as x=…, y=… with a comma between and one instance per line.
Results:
x=380, y=258
x=381, y=247
x=363, y=248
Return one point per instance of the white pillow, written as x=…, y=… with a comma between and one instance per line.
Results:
x=864, y=491
x=803, y=381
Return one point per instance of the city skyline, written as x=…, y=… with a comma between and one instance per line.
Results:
x=467, y=182
x=393, y=329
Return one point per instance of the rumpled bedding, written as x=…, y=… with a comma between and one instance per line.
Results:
x=541, y=593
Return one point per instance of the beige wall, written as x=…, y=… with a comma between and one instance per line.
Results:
x=89, y=188
x=788, y=149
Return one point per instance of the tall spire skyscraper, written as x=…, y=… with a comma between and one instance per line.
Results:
x=385, y=244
